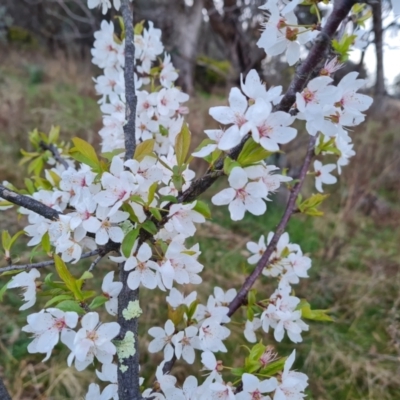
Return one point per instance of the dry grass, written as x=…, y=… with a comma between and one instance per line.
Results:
x=354, y=249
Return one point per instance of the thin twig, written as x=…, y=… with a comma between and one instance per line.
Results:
x=56, y=154
x=95, y=262
x=29, y=203
x=290, y=208
x=130, y=91
x=44, y=264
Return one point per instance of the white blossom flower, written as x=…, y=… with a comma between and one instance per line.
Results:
x=293, y=383
x=242, y=196
x=185, y=342
x=26, y=280
x=258, y=249
x=253, y=388
x=47, y=326
x=111, y=290
x=162, y=340
x=323, y=175
x=93, y=340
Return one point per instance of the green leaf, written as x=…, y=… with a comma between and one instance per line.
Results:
x=202, y=208
x=238, y=371
x=152, y=191
x=87, y=294
x=251, y=297
x=129, y=241
x=252, y=153
x=144, y=149
x=58, y=299
x=139, y=27
x=67, y=277
x=137, y=199
x=309, y=206
x=29, y=185
x=163, y=130
x=36, y=166
x=45, y=242
x=3, y=290
x=182, y=144
x=169, y=199
x=315, y=315
x=156, y=213
x=274, y=367
x=86, y=275
x=54, y=134
x=150, y=227
x=70, y=305
x=85, y=153
x=229, y=164
x=6, y=240
x=97, y=302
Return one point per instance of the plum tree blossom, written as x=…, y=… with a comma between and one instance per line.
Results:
x=254, y=389
x=163, y=340
x=47, y=327
x=26, y=281
x=93, y=340
x=323, y=175
x=242, y=196
x=111, y=290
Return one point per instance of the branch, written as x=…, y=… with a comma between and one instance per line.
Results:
x=4, y=395
x=290, y=207
x=43, y=264
x=29, y=203
x=53, y=149
x=128, y=367
x=317, y=53
x=300, y=80
x=130, y=91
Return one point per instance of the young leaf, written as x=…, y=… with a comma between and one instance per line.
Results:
x=229, y=164
x=70, y=305
x=315, y=315
x=144, y=149
x=203, y=209
x=85, y=153
x=150, y=227
x=129, y=241
x=58, y=299
x=98, y=301
x=182, y=144
x=67, y=277
x=252, y=153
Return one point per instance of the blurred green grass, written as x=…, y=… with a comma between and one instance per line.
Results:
x=355, y=253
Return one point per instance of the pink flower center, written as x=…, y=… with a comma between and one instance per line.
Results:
x=59, y=324
x=92, y=335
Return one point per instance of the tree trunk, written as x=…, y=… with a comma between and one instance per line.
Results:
x=187, y=25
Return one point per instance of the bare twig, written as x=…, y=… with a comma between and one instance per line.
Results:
x=56, y=154
x=44, y=264
x=95, y=262
x=130, y=91
x=29, y=203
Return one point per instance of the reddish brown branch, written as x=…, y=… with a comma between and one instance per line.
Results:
x=290, y=207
